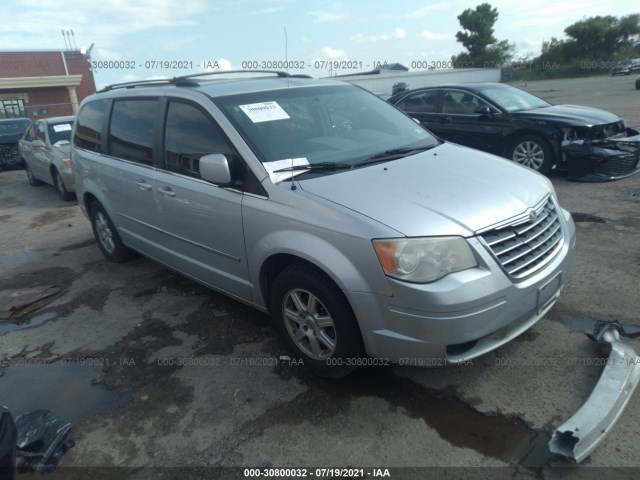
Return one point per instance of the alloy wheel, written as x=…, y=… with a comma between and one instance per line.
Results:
x=309, y=324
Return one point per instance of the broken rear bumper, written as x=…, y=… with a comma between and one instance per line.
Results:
x=603, y=160
x=582, y=433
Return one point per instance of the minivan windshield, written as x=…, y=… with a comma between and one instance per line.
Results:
x=328, y=125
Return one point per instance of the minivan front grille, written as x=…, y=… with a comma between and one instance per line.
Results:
x=526, y=245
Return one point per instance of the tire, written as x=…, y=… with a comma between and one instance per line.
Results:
x=60, y=188
x=33, y=181
x=316, y=321
x=107, y=236
x=531, y=151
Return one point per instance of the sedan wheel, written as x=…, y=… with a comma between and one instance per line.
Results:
x=107, y=236
x=59, y=184
x=532, y=152
x=33, y=181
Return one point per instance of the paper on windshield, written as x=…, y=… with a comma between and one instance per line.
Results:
x=264, y=112
x=62, y=127
x=271, y=167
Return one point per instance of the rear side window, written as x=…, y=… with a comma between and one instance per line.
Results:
x=89, y=126
x=189, y=135
x=420, y=102
x=131, y=130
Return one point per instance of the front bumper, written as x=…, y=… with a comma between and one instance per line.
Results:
x=581, y=434
x=68, y=178
x=9, y=155
x=462, y=315
x=603, y=160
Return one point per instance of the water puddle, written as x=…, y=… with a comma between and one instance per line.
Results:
x=65, y=389
x=34, y=321
x=504, y=437
x=588, y=218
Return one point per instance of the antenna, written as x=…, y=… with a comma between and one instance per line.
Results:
x=286, y=62
x=74, y=40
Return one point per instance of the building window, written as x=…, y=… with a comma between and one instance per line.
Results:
x=12, y=108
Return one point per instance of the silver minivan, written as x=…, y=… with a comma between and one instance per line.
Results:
x=367, y=239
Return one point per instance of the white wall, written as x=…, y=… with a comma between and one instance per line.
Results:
x=383, y=82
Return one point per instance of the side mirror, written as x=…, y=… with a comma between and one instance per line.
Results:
x=485, y=110
x=214, y=168
x=37, y=143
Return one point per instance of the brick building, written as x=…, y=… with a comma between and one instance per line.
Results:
x=42, y=84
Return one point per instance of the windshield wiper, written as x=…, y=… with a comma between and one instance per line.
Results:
x=394, y=153
x=316, y=166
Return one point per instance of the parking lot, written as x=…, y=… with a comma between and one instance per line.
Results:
x=155, y=370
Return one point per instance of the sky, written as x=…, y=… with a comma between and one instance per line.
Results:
x=136, y=39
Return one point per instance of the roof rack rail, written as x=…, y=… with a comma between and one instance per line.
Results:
x=223, y=72
x=188, y=80
x=177, y=81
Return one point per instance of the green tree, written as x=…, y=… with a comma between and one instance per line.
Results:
x=595, y=38
x=477, y=37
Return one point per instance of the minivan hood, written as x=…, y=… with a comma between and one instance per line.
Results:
x=570, y=115
x=449, y=190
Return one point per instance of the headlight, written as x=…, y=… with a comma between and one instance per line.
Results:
x=552, y=189
x=423, y=260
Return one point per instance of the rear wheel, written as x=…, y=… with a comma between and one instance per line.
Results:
x=107, y=236
x=316, y=321
x=533, y=152
x=60, y=188
x=33, y=181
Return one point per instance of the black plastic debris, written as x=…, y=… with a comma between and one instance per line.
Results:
x=41, y=440
x=7, y=445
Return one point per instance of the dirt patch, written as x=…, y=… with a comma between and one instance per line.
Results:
x=587, y=217
x=166, y=281
x=221, y=324
x=124, y=364
x=94, y=297
x=5, y=218
x=58, y=276
x=78, y=245
x=8, y=202
x=48, y=218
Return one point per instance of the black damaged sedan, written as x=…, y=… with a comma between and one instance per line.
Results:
x=590, y=144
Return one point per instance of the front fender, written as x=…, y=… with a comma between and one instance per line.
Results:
x=335, y=258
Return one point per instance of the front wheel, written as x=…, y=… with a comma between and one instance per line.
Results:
x=316, y=321
x=533, y=152
x=107, y=236
x=60, y=188
x=33, y=181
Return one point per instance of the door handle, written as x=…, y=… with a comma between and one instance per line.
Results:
x=446, y=120
x=143, y=185
x=167, y=191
